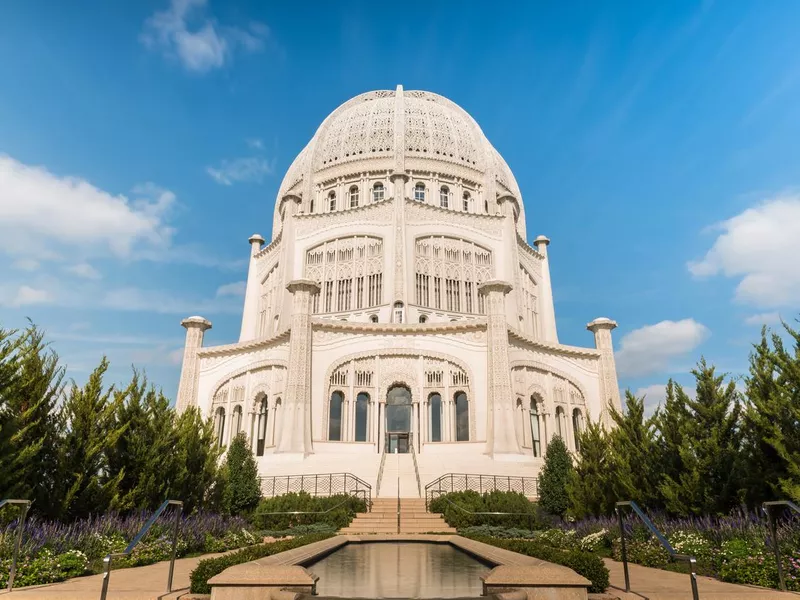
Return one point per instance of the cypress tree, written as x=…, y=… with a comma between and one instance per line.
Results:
x=555, y=476
x=196, y=455
x=11, y=454
x=242, y=489
x=670, y=420
x=590, y=490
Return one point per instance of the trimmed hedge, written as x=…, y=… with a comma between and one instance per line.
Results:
x=305, y=502
x=496, y=501
x=583, y=563
x=206, y=569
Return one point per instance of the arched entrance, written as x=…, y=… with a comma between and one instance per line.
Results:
x=398, y=419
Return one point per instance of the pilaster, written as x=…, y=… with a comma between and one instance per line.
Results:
x=609, y=386
x=251, y=295
x=187, y=386
x=296, y=422
x=500, y=431
x=548, y=311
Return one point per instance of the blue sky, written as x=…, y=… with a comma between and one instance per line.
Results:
x=141, y=143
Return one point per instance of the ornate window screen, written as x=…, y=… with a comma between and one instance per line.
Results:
x=529, y=303
x=268, y=304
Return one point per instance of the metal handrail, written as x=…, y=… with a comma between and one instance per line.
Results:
x=661, y=540
x=25, y=504
x=380, y=474
x=484, y=513
x=773, y=529
x=398, y=489
x=469, y=480
x=416, y=468
x=143, y=532
x=316, y=484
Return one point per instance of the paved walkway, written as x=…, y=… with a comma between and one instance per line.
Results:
x=656, y=584
x=136, y=583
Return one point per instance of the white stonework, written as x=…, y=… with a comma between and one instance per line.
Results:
x=399, y=306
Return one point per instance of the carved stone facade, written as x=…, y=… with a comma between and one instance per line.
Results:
x=399, y=307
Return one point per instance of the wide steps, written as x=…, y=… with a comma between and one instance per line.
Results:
x=383, y=518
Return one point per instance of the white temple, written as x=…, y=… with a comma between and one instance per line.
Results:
x=399, y=308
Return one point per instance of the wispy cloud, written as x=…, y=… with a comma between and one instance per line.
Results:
x=156, y=301
x=767, y=318
x=652, y=348
x=84, y=270
x=184, y=32
x=249, y=169
x=232, y=289
x=25, y=295
x=255, y=143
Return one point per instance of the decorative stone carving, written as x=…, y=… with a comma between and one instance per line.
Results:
x=187, y=387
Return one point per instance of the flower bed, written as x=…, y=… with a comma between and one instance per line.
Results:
x=53, y=551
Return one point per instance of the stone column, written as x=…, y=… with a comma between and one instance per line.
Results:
x=295, y=435
x=548, y=311
x=500, y=432
x=609, y=387
x=250, y=314
x=187, y=386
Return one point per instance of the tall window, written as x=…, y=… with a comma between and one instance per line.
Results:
x=362, y=408
x=577, y=427
x=311, y=205
x=462, y=417
x=261, y=430
x=419, y=192
x=332, y=201
x=444, y=196
x=354, y=197
x=466, y=201
x=378, y=192
x=335, y=419
x=398, y=409
x=486, y=206
x=435, y=402
x=398, y=312
x=236, y=421
x=536, y=439
x=219, y=425
x=560, y=420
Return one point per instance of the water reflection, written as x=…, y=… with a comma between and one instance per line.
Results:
x=399, y=570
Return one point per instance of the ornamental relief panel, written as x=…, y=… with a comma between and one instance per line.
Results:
x=419, y=214
x=256, y=375
x=530, y=374
x=368, y=215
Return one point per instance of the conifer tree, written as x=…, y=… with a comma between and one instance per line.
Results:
x=242, y=489
x=670, y=420
x=590, y=489
x=710, y=480
x=11, y=455
x=87, y=485
x=555, y=476
x=196, y=454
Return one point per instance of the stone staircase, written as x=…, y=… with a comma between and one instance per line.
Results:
x=383, y=518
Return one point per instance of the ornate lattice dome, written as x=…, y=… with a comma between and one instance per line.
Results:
x=399, y=131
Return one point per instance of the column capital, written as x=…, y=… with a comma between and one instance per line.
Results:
x=196, y=323
x=601, y=323
x=302, y=285
x=494, y=285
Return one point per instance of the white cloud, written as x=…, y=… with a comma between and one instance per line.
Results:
x=655, y=395
x=251, y=169
x=84, y=270
x=232, y=289
x=760, y=247
x=70, y=213
x=767, y=318
x=26, y=264
x=176, y=356
x=197, y=41
x=26, y=295
x=255, y=143
x=651, y=348
x=135, y=299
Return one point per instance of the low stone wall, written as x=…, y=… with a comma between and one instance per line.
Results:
x=282, y=576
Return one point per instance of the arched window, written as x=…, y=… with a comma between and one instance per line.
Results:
x=462, y=417
x=378, y=192
x=332, y=201
x=398, y=312
x=362, y=410
x=236, y=421
x=219, y=425
x=577, y=428
x=335, y=419
x=486, y=206
x=423, y=318
x=354, y=197
x=311, y=205
x=560, y=420
x=373, y=318
x=466, y=201
x=261, y=429
x=536, y=438
x=444, y=196
x=419, y=192
x=398, y=409
x=435, y=403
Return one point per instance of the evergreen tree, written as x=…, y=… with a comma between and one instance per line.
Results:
x=710, y=480
x=87, y=485
x=243, y=489
x=11, y=454
x=196, y=454
x=590, y=490
x=555, y=476
x=633, y=454
x=670, y=420
x=144, y=454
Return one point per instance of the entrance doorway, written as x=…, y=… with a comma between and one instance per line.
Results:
x=398, y=420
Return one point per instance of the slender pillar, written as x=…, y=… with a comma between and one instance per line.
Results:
x=295, y=435
x=187, y=386
x=609, y=387
x=500, y=430
x=548, y=311
x=251, y=295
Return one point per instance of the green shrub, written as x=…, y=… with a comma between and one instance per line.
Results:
x=497, y=531
x=583, y=563
x=347, y=507
x=206, y=569
x=298, y=530
x=471, y=501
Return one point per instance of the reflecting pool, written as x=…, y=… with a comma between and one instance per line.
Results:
x=399, y=570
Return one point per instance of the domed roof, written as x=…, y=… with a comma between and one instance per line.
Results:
x=429, y=128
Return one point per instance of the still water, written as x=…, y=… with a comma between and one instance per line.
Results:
x=399, y=570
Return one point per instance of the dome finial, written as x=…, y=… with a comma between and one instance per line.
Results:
x=399, y=89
